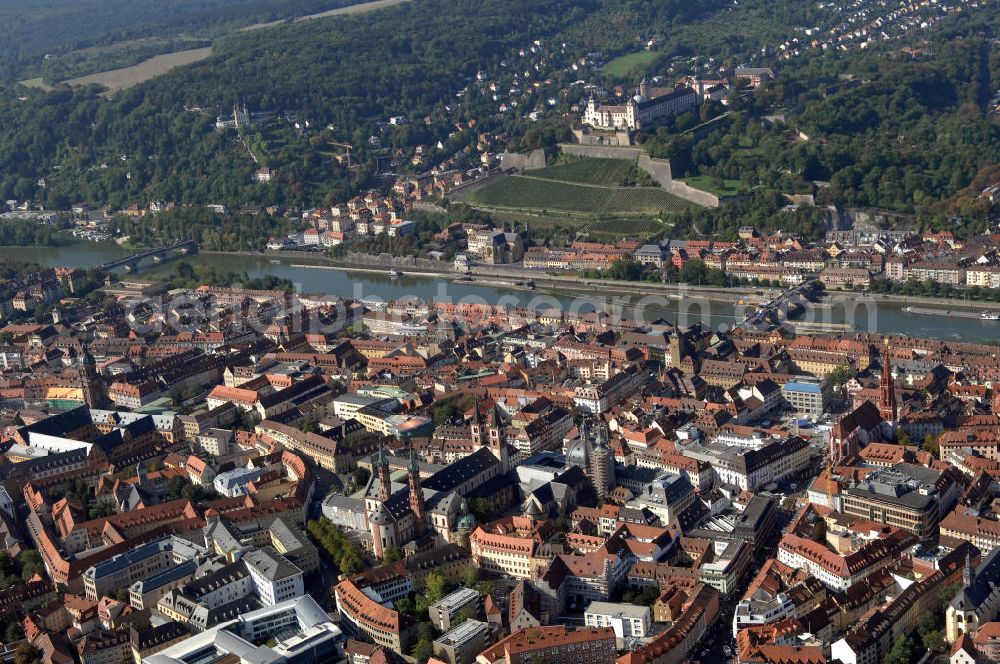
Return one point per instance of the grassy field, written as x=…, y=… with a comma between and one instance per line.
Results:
x=706, y=183
x=37, y=83
x=623, y=65
x=120, y=79
x=606, y=172
x=126, y=77
x=341, y=11
x=121, y=54
x=537, y=194
x=748, y=149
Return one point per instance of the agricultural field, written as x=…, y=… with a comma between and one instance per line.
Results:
x=537, y=194
x=588, y=170
x=126, y=77
x=121, y=54
x=122, y=64
x=360, y=8
x=36, y=83
x=622, y=66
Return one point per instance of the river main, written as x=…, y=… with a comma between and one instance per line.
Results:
x=885, y=318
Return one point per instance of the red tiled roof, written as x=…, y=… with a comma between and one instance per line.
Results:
x=364, y=609
x=541, y=638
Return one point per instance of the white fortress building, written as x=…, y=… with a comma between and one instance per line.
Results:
x=648, y=107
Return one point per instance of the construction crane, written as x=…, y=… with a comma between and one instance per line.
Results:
x=347, y=147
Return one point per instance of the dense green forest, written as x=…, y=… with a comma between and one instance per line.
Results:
x=882, y=128
x=22, y=232
x=765, y=209
x=902, y=134
x=50, y=37
x=873, y=127
x=212, y=231
x=142, y=145
x=11, y=268
x=727, y=32
x=186, y=275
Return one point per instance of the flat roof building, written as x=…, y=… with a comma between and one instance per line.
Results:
x=627, y=620
x=446, y=609
x=806, y=398
x=461, y=644
x=303, y=632
x=906, y=496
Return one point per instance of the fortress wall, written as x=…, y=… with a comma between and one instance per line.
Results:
x=523, y=162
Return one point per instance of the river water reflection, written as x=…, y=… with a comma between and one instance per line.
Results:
x=887, y=318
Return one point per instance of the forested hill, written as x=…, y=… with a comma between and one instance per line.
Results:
x=351, y=71
x=908, y=131
x=39, y=37
x=408, y=59
x=905, y=127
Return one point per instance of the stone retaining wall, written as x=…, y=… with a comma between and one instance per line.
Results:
x=522, y=162
x=601, y=151
x=433, y=208
x=390, y=261
x=474, y=185
x=658, y=169
x=621, y=137
x=696, y=196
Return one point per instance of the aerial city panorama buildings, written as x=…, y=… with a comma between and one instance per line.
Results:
x=678, y=490
x=196, y=473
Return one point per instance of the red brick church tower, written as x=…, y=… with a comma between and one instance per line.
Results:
x=416, y=493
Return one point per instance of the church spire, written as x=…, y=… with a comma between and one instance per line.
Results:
x=602, y=462
x=416, y=492
x=600, y=436
x=476, y=426
x=969, y=573
x=496, y=426
x=412, y=466
x=382, y=468
x=887, y=393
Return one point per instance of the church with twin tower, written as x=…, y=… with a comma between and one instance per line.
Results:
x=424, y=513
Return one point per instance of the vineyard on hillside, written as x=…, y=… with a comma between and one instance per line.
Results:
x=606, y=172
x=615, y=228
x=531, y=193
